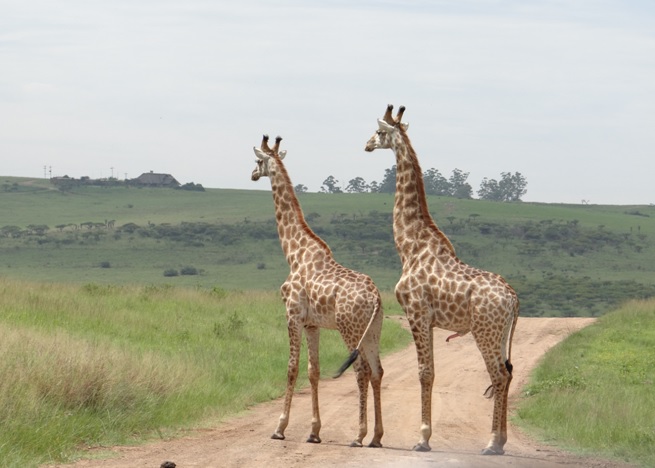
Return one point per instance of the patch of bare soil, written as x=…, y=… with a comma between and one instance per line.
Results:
x=461, y=418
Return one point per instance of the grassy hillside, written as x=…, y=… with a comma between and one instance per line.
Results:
x=562, y=259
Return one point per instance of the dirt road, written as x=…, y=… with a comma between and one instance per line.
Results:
x=461, y=418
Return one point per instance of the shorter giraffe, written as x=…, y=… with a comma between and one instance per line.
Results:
x=321, y=293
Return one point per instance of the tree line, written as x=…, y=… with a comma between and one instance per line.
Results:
x=510, y=187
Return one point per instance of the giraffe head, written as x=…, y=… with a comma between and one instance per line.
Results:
x=266, y=158
x=387, y=126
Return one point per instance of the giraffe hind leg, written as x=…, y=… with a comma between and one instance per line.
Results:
x=499, y=389
x=489, y=392
x=363, y=375
x=370, y=351
x=376, y=383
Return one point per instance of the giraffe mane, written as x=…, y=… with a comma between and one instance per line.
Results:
x=420, y=188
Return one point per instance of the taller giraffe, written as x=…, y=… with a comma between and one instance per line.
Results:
x=321, y=293
x=436, y=289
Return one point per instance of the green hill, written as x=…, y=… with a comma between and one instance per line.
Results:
x=562, y=259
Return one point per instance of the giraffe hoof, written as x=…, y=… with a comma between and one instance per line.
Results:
x=277, y=436
x=312, y=439
x=492, y=451
x=422, y=447
x=374, y=444
x=356, y=443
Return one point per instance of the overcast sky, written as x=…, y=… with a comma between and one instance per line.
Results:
x=562, y=91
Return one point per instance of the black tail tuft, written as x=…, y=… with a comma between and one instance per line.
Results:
x=346, y=364
x=489, y=392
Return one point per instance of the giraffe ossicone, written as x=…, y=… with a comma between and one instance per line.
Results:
x=321, y=293
x=437, y=289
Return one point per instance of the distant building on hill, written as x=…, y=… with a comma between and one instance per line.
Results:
x=147, y=179
x=152, y=179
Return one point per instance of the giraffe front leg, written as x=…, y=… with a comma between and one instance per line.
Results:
x=295, y=336
x=426, y=415
x=314, y=371
x=425, y=356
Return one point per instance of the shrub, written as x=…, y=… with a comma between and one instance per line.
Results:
x=189, y=270
x=171, y=272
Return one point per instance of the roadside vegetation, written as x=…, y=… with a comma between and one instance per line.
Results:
x=595, y=392
x=94, y=365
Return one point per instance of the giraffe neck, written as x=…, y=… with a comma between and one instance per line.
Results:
x=412, y=223
x=296, y=237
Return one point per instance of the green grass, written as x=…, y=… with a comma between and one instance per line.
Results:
x=88, y=365
x=595, y=392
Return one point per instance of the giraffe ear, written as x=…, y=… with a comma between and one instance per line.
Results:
x=404, y=126
x=384, y=126
x=282, y=154
x=259, y=153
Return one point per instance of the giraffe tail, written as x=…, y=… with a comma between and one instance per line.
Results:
x=489, y=392
x=346, y=364
x=353, y=356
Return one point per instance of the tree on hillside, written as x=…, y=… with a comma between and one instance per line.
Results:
x=459, y=187
x=11, y=231
x=490, y=190
x=190, y=186
x=388, y=184
x=300, y=188
x=357, y=185
x=373, y=187
x=38, y=229
x=510, y=188
x=330, y=185
x=435, y=183
x=514, y=185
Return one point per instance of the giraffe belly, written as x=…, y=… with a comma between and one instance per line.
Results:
x=320, y=320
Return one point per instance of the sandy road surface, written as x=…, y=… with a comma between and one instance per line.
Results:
x=461, y=418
